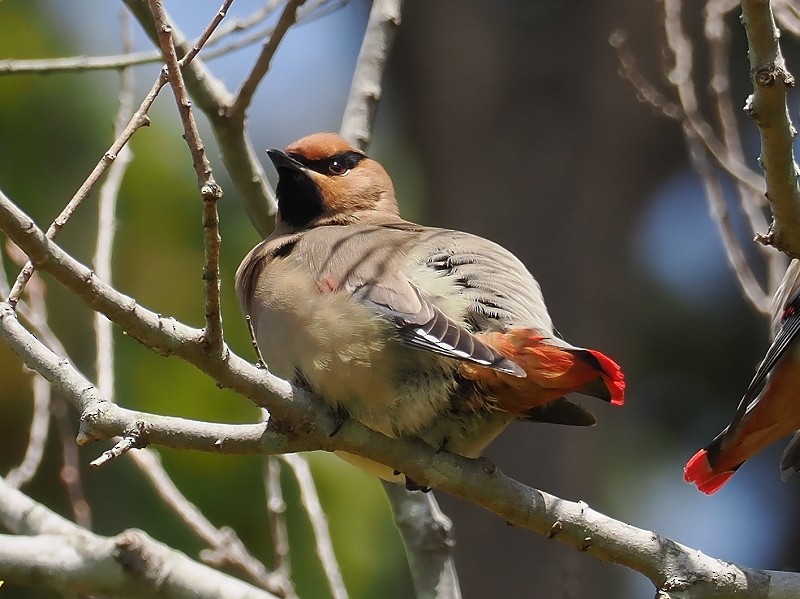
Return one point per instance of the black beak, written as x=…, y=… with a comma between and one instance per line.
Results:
x=282, y=160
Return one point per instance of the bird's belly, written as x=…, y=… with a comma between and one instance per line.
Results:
x=351, y=357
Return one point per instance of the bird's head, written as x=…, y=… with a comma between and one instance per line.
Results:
x=322, y=178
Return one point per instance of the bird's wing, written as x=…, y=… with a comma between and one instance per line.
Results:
x=421, y=325
x=372, y=263
x=502, y=293
x=787, y=332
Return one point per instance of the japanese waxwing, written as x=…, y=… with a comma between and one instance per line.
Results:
x=411, y=330
x=770, y=407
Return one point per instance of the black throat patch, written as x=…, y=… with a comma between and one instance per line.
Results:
x=299, y=200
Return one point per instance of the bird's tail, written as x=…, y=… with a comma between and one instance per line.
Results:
x=763, y=423
x=551, y=371
x=705, y=470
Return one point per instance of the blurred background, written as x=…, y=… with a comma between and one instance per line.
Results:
x=506, y=119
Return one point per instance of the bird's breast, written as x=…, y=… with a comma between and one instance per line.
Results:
x=312, y=332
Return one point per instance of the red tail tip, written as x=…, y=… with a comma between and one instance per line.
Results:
x=698, y=471
x=614, y=379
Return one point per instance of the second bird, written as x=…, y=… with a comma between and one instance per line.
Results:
x=411, y=330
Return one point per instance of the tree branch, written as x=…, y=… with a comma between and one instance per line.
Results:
x=767, y=106
x=209, y=190
x=677, y=571
x=213, y=98
x=365, y=90
x=428, y=538
x=70, y=559
x=238, y=108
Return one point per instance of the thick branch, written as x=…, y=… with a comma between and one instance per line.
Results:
x=768, y=107
x=70, y=559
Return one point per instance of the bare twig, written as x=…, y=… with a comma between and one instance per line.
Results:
x=106, y=219
x=319, y=524
x=213, y=98
x=209, y=190
x=138, y=120
x=236, y=111
x=131, y=440
x=276, y=511
x=751, y=289
x=37, y=437
x=40, y=419
x=365, y=90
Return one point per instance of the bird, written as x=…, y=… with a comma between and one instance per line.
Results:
x=770, y=406
x=413, y=331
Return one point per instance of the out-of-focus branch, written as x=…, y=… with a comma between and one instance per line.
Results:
x=106, y=219
x=50, y=550
x=712, y=145
x=237, y=109
x=365, y=90
x=319, y=524
x=37, y=437
x=138, y=120
x=767, y=106
x=428, y=538
x=276, y=511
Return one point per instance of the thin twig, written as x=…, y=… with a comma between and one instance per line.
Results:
x=276, y=512
x=365, y=89
x=753, y=292
x=209, y=190
x=206, y=34
x=319, y=524
x=40, y=419
x=237, y=110
x=106, y=219
x=45, y=66
x=139, y=119
x=37, y=437
x=35, y=312
x=212, y=97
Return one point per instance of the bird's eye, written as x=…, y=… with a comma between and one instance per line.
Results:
x=337, y=167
